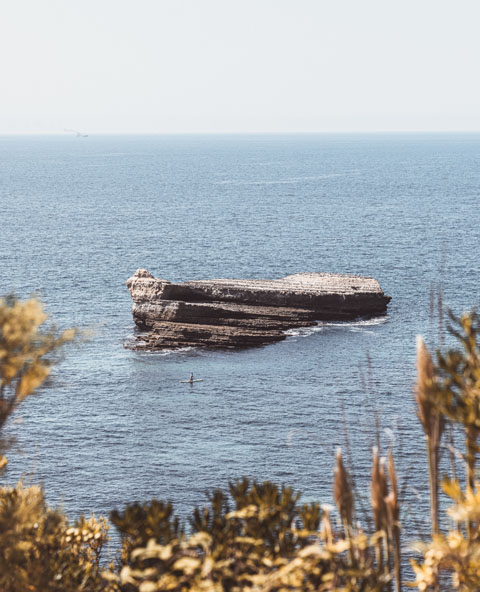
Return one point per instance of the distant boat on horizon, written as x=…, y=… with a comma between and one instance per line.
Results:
x=76, y=132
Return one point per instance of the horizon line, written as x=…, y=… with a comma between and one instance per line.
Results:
x=243, y=133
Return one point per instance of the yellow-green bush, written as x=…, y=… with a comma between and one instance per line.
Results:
x=41, y=552
x=265, y=541
x=26, y=354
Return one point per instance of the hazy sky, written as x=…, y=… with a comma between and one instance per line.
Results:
x=155, y=66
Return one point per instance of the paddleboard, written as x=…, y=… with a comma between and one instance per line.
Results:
x=194, y=380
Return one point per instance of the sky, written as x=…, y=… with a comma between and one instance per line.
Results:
x=228, y=66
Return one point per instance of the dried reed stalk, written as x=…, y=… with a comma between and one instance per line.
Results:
x=342, y=492
x=379, y=492
x=343, y=496
x=326, y=527
x=393, y=512
x=432, y=420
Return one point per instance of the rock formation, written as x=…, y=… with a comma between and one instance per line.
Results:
x=239, y=313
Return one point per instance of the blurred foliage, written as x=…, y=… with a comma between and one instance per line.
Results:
x=26, y=354
x=139, y=523
x=458, y=397
x=458, y=551
x=41, y=552
x=255, y=537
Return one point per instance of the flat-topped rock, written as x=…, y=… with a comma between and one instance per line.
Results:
x=240, y=313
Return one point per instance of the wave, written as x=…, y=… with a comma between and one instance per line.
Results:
x=133, y=344
x=289, y=181
x=355, y=326
x=170, y=352
x=304, y=331
x=357, y=323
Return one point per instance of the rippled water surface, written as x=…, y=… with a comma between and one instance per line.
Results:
x=80, y=215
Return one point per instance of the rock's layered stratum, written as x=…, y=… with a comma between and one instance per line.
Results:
x=240, y=313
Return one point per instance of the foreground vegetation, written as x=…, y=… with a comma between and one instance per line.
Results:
x=257, y=536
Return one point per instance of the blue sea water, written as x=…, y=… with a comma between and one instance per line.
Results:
x=78, y=216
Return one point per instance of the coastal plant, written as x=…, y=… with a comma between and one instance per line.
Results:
x=256, y=536
x=267, y=543
x=40, y=550
x=459, y=385
x=27, y=353
x=138, y=523
x=449, y=391
x=457, y=552
x=428, y=398
x=260, y=538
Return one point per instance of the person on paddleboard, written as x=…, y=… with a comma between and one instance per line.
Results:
x=191, y=377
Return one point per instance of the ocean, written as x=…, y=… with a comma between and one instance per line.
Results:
x=80, y=215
